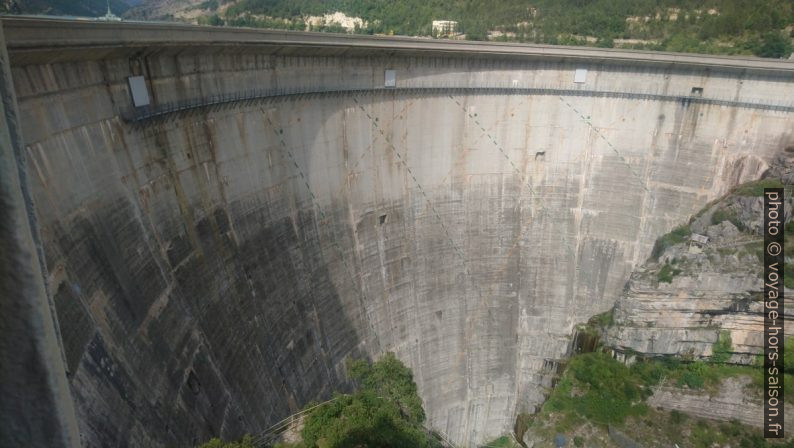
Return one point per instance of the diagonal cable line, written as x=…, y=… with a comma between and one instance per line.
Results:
x=524, y=179
x=325, y=222
x=601, y=135
x=483, y=302
x=402, y=161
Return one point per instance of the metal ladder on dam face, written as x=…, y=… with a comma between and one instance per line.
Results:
x=145, y=114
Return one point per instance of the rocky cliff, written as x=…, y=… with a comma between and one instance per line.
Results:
x=690, y=292
x=736, y=400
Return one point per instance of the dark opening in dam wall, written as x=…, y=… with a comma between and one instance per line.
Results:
x=214, y=257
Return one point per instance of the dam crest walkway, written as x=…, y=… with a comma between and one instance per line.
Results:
x=175, y=109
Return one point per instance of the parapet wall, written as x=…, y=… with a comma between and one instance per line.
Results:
x=213, y=268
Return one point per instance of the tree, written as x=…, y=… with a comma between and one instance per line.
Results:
x=385, y=411
x=213, y=20
x=476, y=31
x=723, y=348
x=606, y=42
x=246, y=442
x=774, y=45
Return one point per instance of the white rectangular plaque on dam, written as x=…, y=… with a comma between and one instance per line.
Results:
x=138, y=90
x=580, y=76
x=390, y=78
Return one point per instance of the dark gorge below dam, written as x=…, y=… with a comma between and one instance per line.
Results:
x=280, y=205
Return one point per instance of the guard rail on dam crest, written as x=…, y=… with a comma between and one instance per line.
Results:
x=169, y=110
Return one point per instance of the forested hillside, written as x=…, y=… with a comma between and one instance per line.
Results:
x=90, y=8
x=760, y=27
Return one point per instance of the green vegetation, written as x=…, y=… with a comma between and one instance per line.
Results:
x=245, y=442
x=699, y=26
x=598, y=388
x=788, y=229
x=788, y=275
x=726, y=214
x=594, y=388
x=788, y=238
x=667, y=273
x=705, y=434
x=502, y=442
x=406, y=17
x=723, y=348
x=212, y=20
x=757, y=188
x=707, y=375
x=724, y=251
x=384, y=411
x=788, y=370
x=773, y=45
x=603, y=320
x=702, y=435
x=677, y=236
x=692, y=376
x=210, y=5
x=677, y=417
x=90, y=8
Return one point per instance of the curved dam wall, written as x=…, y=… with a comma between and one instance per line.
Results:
x=212, y=268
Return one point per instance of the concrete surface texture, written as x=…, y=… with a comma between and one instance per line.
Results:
x=212, y=269
x=36, y=409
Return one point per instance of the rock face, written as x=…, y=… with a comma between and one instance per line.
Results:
x=713, y=289
x=212, y=269
x=735, y=400
x=686, y=317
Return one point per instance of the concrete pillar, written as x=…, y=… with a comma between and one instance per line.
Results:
x=36, y=408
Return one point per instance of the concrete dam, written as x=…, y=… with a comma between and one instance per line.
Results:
x=223, y=216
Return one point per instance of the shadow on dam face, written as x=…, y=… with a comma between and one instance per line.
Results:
x=212, y=269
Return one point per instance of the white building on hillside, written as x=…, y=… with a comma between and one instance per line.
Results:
x=444, y=27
